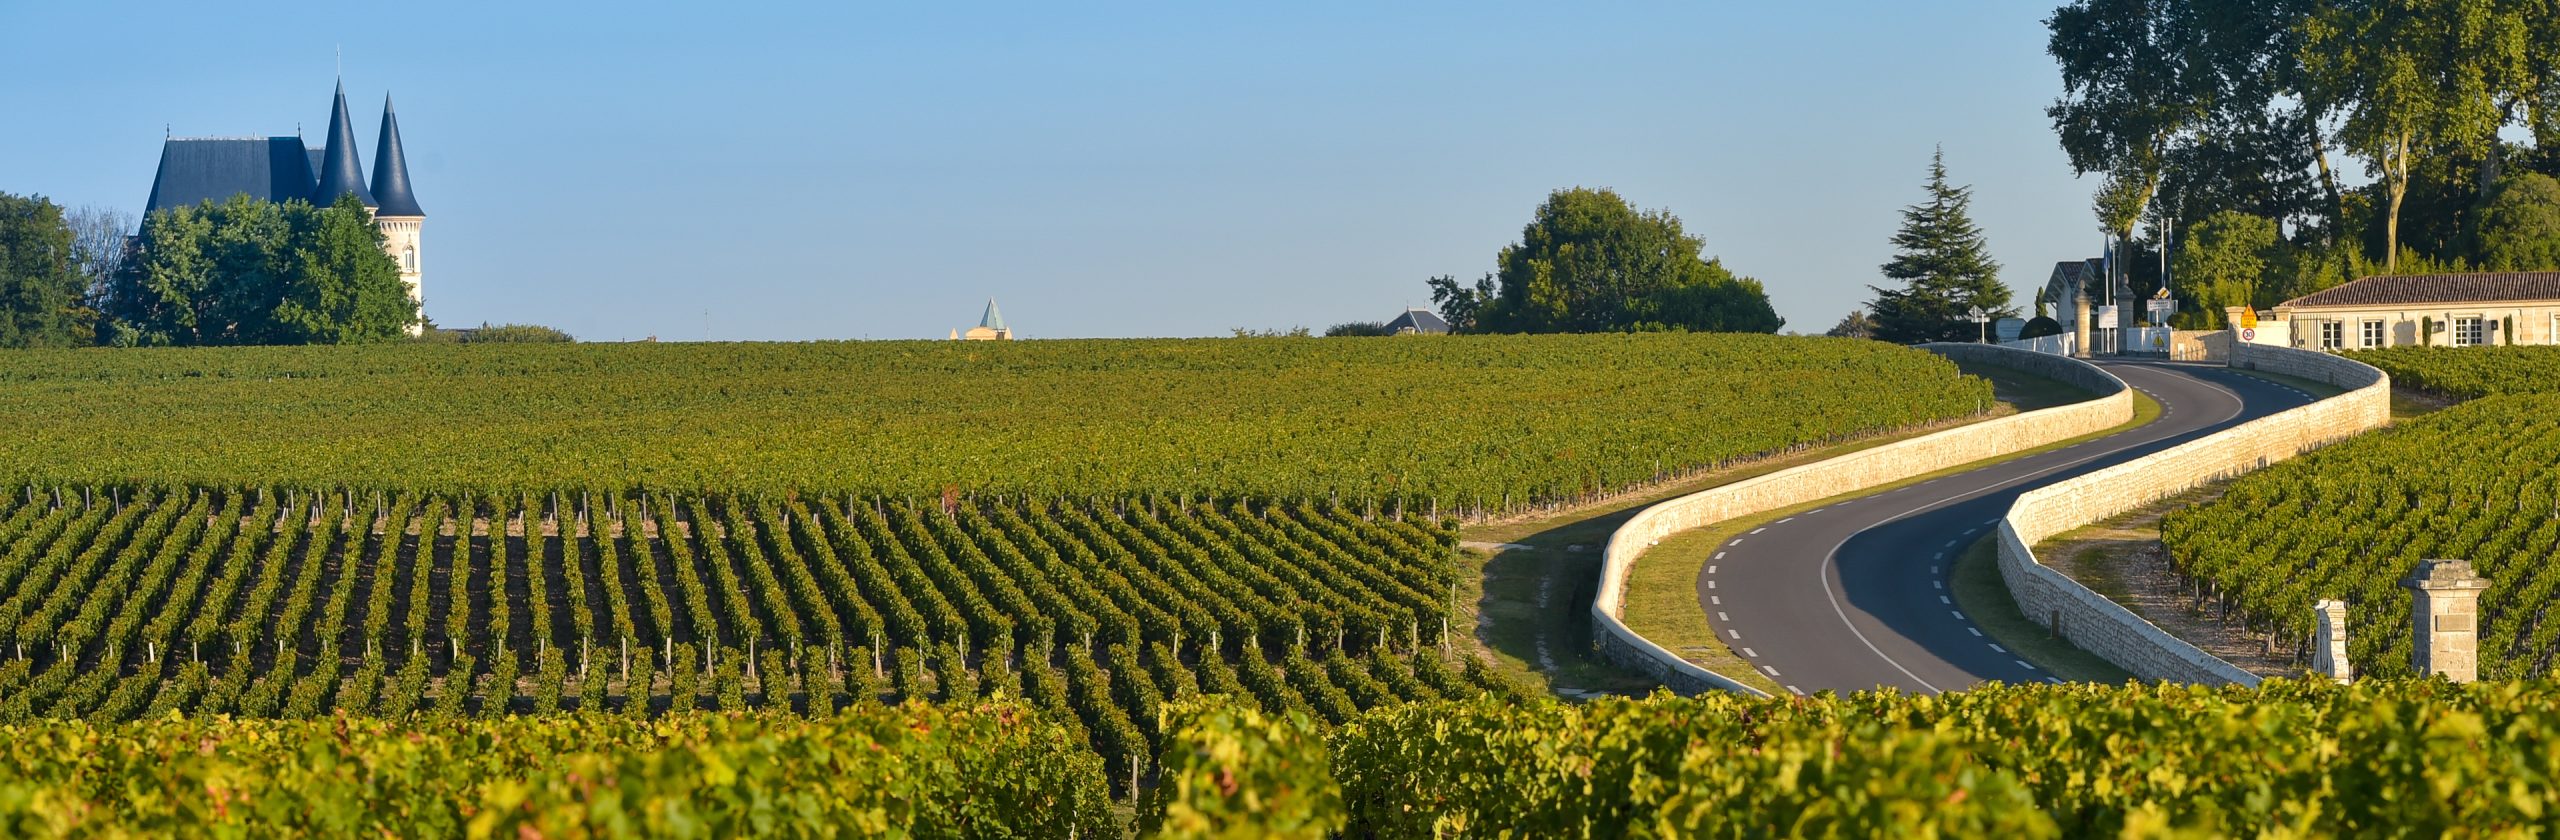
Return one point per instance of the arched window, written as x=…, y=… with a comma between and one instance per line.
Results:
x=409, y=259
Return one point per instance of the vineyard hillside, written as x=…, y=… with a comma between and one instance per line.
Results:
x=2478, y=482
x=1479, y=423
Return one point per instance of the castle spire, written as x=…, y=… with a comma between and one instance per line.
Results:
x=391, y=170
x=341, y=171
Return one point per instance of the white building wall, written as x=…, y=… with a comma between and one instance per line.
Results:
x=400, y=238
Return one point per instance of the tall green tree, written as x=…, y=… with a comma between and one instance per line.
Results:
x=2520, y=229
x=1944, y=268
x=1590, y=262
x=1460, y=304
x=2417, y=77
x=40, y=284
x=347, y=289
x=2132, y=84
x=2222, y=261
x=254, y=272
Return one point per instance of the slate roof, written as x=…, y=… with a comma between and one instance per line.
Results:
x=341, y=170
x=1420, y=321
x=198, y=169
x=992, y=320
x=2416, y=289
x=391, y=170
x=2076, y=269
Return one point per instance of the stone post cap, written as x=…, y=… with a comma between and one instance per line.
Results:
x=2330, y=605
x=2444, y=574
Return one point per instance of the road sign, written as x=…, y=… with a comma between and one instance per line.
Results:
x=2248, y=333
x=2249, y=318
x=2160, y=308
x=2106, y=317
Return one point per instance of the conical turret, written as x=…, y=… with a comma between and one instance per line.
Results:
x=391, y=170
x=341, y=171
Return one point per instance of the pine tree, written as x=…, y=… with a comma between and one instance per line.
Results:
x=1944, y=267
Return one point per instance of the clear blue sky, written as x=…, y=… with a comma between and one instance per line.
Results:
x=860, y=170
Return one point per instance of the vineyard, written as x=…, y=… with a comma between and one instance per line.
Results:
x=131, y=605
x=2390, y=758
x=2377, y=758
x=959, y=770
x=2469, y=371
x=1466, y=425
x=2477, y=482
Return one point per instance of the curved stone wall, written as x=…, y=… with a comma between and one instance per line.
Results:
x=2102, y=626
x=1848, y=473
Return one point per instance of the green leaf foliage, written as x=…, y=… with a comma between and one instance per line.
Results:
x=40, y=284
x=981, y=770
x=2222, y=262
x=1590, y=262
x=1227, y=770
x=246, y=271
x=2520, y=228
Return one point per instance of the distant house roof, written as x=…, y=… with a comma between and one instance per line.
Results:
x=198, y=169
x=1420, y=321
x=2416, y=289
x=992, y=319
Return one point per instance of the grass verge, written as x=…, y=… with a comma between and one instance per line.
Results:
x=1981, y=594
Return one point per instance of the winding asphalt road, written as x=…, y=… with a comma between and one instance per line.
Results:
x=1856, y=595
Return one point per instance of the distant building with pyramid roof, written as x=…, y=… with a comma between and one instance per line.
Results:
x=990, y=327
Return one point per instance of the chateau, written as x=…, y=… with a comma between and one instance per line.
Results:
x=198, y=169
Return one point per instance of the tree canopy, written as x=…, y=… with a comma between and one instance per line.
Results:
x=40, y=283
x=2222, y=262
x=1944, y=267
x=2189, y=108
x=2520, y=229
x=1590, y=262
x=246, y=271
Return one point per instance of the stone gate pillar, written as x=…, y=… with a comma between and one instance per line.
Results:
x=2444, y=610
x=2080, y=325
x=2329, y=641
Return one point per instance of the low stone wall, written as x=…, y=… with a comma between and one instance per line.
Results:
x=2103, y=627
x=1848, y=473
x=2200, y=346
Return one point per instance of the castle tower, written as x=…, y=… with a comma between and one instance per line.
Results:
x=398, y=215
x=341, y=170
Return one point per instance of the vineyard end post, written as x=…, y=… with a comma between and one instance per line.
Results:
x=2446, y=617
x=2329, y=641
